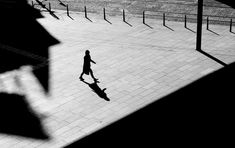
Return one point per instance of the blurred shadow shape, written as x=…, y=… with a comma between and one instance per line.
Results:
x=17, y=118
x=23, y=41
x=95, y=88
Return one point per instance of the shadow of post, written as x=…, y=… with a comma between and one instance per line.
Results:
x=148, y=25
x=213, y=32
x=127, y=23
x=169, y=28
x=212, y=57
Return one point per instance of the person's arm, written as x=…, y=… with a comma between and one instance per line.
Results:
x=93, y=61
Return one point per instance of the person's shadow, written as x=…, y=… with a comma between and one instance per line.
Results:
x=100, y=92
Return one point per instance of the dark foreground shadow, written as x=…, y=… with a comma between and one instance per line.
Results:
x=200, y=113
x=26, y=44
x=95, y=88
x=17, y=118
x=229, y=3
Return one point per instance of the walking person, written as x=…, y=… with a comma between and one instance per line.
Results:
x=87, y=66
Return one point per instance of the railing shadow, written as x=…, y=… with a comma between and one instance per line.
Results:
x=127, y=23
x=212, y=57
x=70, y=17
x=148, y=25
x=190, y=30
x=168, y=27
x=88, y=19
x=213, y=32
x=108, y=21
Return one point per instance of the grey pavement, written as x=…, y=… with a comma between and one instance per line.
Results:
x=138, y=65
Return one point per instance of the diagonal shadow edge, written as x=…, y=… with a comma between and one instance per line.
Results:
x=212, y=57
x=195, y=113
x=226, y=2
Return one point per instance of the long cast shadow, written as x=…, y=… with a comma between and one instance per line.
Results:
x=127, y=23
x=168, y=27
x=88, y=19
x=212, y=57
x=148, y=25
x=70, y=17
x=212, y=32
x=200, y=113
x=108, y=21
x=18, y=118
x=190, y=30
x=95, y=88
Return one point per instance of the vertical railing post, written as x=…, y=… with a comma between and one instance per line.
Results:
x=207, y=23
x=143, y=17
x=231, y=25
x=32, y=4
x=67, y=7
x=49, y=6
x=185, y=21
x=85, y=11
x=199, y=24
x=104, y=14
x=164, y=20
x=123, y=15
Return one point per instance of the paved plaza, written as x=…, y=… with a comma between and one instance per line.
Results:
x=137, y=63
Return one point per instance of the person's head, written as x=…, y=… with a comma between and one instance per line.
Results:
x=87, y=52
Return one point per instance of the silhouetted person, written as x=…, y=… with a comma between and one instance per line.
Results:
x=87, y=66
x=100, y=92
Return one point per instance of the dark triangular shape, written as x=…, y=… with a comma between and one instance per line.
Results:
x=18, y=118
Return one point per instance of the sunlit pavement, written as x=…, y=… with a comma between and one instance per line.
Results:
x=138, y=65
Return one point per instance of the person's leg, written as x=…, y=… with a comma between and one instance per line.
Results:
x=92, y=75
x=81, y=76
